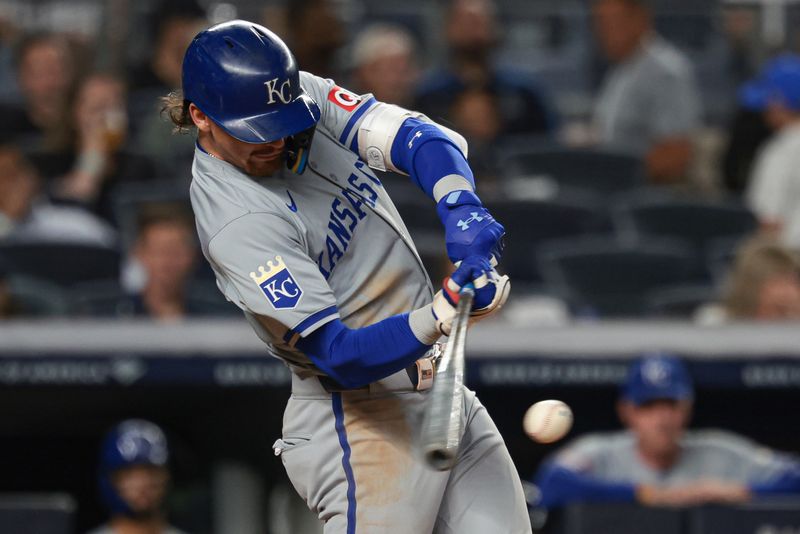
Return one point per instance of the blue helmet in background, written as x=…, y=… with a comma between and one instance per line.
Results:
x=131, y=442
x=246, y=80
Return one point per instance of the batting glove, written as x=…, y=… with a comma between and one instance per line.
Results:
x=491, y=292
x=470, y=230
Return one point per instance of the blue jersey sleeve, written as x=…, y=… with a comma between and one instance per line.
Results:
x=357, y=357
x=788, y=481
x=560, y=486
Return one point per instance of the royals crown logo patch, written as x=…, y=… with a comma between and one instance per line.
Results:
x=277, y=284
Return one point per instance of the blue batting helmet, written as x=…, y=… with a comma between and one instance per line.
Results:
x=246, y=80
x=131, y=442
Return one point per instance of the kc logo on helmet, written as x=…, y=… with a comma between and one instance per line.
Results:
x=282, y=91
x=278, y=284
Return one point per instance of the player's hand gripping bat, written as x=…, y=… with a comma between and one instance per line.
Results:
x=441, y=428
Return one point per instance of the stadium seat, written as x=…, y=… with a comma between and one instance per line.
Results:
x=678, y=302
x=60, y=263
x=529, y=223
x=37, y=513
x=597, y=170
x=621, y=519
x=694, y=219
x=108, y=299
x=130, y=197
x=607, y=277
x=37, y=298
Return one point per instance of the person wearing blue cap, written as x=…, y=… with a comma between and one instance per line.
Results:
x=774, y=189
x=656, y=460
x=133, y=479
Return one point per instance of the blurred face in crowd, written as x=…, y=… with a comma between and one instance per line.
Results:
x=142, y=487
x=166, y=250
x=777, y=115
x=779, y=298
x=100, y=110
x=259, y=160
x=174, y=39
x=18, y=184
x=386, y=67
x=5, y=300
x=620, y=26
x=46, y=73
x=471, y=27
x=658, y=425
x=475, y=115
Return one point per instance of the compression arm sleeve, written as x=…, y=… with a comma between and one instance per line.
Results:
x=560, y=486
x=432, y=160
x=357, y=357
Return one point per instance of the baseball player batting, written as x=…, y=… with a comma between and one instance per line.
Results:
x=304, y=238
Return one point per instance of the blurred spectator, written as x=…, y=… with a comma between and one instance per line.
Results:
x=649, y=102
x=774, y=189
x=134, y=479
x=176, y=24
x=165, y=256
x=46, y=75
x=656, y=461
x=747, y=133
x=26, y=215
x=8, y=306
x=97, y=162
x=316, y=35
x=166, y=250
x=9, y=90
x=475, y=114
x=764, y=283
x=384, y=64
x=472, y=37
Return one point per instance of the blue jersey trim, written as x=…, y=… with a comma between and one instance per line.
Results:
x=338, y=412
x=200, y=147
x=354, y=119
x=309, y=321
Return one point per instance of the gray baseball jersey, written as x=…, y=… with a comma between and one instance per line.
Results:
x=297, y=251
x=711, y=454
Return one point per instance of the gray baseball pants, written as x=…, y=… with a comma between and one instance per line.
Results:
x=353, y=457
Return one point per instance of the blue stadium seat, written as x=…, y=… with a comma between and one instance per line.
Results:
x=607, y=277
x=597, y=170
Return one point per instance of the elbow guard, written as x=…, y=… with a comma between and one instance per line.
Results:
x=381, y=126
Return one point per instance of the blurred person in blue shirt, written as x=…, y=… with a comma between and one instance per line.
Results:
x=656, y=460
x=473, y=35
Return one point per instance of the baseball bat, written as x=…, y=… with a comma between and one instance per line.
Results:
x=441, y=427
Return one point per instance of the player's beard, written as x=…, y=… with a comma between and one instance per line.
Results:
x=260, y=167
x=263, y=169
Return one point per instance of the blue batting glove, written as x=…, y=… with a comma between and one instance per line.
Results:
x=475, y=270
x=470, y=230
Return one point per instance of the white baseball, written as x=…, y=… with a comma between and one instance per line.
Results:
x=547, y=421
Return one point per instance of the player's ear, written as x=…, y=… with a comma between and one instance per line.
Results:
x=199, y=118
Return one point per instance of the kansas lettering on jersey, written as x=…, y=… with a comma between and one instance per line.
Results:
x=343, y=221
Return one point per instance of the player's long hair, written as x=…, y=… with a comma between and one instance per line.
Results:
x=176, y=108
